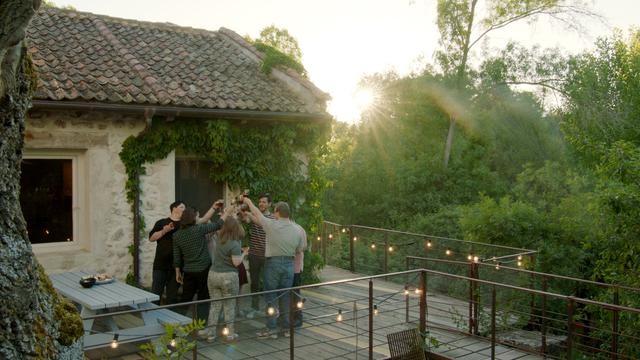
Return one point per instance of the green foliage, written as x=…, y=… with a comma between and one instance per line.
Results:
x=275, y=58
x=261, y=158
x=280, y=49
x=176, y=343
x=313, y=263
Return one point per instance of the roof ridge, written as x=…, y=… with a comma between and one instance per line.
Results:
x=135, y=64
x=244, y=44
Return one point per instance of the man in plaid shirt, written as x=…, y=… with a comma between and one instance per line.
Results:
x=256, y=253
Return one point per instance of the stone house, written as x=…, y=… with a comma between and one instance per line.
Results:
x=103, y=79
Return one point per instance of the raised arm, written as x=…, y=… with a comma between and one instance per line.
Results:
x=256, y=214
x=212, y=210
x=157, y=235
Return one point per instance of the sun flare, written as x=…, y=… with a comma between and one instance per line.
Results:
x=349, y=106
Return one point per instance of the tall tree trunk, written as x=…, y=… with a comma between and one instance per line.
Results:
x=29, y=327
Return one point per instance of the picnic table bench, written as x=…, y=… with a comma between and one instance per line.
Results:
x=109, y=297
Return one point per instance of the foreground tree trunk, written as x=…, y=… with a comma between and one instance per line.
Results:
x=30, y=311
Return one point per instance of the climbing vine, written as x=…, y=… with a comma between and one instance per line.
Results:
x=265, y=157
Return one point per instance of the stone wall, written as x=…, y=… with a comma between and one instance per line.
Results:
x=105, y=221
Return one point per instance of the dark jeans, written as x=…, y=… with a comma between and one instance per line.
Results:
x=162, y=279
x=256, y=267
x=297, y=316
x=195, y=283
x=278, y=274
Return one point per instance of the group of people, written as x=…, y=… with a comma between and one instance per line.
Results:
x=187, y=255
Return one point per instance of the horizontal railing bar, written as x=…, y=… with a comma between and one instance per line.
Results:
x=548, y=275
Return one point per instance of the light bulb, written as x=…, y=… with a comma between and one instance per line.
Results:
x=373, y=246
x=375, y=309
x=417, y=291
x=406, y=290
x=469, y=257
x=519, y=257
x=319, y=238
x=428, y=244
x=390, y=248
x=448, y=252
x=300, y=304
x=498, y=266
x=339, y=318
x=271, y=311
x=114, y=342
x=519, y=263
x=476, y=259
x=225, y=331
x=344, y=230
x=330, y=236
x=355, y=238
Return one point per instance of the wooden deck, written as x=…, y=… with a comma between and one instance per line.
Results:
x=323, y=337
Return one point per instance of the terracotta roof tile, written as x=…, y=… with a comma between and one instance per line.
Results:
x=90, y=57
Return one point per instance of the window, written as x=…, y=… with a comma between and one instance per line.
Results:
x=51, y=199
x=194, y=185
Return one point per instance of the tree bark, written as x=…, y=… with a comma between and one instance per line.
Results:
x=28, y=325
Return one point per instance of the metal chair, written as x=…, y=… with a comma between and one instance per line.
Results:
x=406, y=345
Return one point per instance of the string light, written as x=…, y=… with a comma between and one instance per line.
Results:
x=225, y=331
x=319, y=238
x=498, y=266
x=469, y=257
x=330, y=236
x=519, y=257
x=114, y=342
x=339, y=318
x=448, y=252
x=344, y=230
x=406, y=290
x=418, y=291
x=390, y=248
x=373, y=246
x=476, y=259
x=375, y=309
x=271, y=311
x=519, y=263
x=355, y=238
x=429, y=244
x=300, y=303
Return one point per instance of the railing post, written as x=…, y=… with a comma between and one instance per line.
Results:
x=615, y=326
x=406, y=303
x=493, y=322
x=370, y=319
x=292, y=313
x=352, y=263
x=423, y=303
x=532, y=284
x=476, y=299
x=570, y=308
x=385, y=264
x=471, y=297
x=543, y=321
x=194, y=316
x=323, y=242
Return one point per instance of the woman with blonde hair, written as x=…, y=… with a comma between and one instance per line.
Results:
x=223, y=277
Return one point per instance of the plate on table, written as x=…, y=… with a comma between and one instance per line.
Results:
x=103, y=279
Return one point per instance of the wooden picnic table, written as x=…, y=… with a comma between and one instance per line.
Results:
x=103, y=298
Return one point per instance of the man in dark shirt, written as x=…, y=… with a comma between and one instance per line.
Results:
x=162, y=235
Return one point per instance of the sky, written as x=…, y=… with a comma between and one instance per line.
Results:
x=343, y=40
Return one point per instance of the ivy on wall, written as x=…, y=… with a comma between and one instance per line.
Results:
x=263, y=157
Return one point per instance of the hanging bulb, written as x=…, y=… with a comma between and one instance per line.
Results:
x=390, y=248
x=519, y=257
x=319, y=238
x=476, y=259
x=498, y=266
x=373, y=246
x=519, y=263
x=418, y=291
x=300, y=303
x=355, y=238
x=225, y=331
x=406, y=290
x=339, y=318
x=271, y=310
x=330, y=236
x=448, y=252
x=429, y=244
x=375, y=309
x=344, y=230
x=114, y=342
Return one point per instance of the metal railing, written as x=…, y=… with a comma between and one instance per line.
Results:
x=382, y=310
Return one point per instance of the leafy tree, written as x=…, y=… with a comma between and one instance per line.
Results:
x=281, y=39
x=462, y=27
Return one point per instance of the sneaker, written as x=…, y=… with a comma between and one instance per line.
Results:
x=266, y=334
x=231, y=338
x=250, y=314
